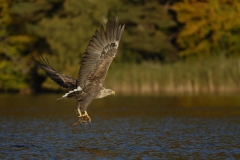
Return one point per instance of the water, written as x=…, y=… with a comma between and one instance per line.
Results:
x=185, y=127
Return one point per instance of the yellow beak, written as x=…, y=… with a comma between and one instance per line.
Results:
x=113, y=92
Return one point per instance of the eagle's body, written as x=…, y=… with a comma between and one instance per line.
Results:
x=100, y=52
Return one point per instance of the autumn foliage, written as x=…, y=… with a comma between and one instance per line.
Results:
x=159, y=31
x=208, y=27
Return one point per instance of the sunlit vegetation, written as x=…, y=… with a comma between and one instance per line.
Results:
x=209, y=27
x=212, y=76
x=169, y=47
x=216, y=75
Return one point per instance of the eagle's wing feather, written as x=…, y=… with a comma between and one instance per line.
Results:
x=100, y=52
x=60, y=78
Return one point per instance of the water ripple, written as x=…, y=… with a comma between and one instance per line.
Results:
x=158, y=132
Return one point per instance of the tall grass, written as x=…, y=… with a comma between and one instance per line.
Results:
x=212, y=76
x=216, y=75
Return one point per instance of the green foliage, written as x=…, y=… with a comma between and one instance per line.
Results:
x=69, y=32
x=61, y=29
x=148, y=29
x=209, y=27
x=17, y=43
x=11, y=76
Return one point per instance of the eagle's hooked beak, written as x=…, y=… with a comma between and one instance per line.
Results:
x=113, y=92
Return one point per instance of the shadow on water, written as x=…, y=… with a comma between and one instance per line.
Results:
x=183, y=127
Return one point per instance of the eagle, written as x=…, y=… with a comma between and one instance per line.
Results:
x=100, y=52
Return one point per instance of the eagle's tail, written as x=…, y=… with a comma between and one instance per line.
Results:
x=72, y=93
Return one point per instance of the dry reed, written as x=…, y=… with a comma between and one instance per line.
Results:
x=212, y=76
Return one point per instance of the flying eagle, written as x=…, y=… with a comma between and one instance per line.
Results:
x=100, y=52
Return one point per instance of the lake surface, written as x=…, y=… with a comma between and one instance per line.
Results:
x=184, y=127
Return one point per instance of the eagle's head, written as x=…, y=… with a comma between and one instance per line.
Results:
x=105, y=92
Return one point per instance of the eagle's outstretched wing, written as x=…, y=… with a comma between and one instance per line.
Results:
x=60, y=78
x=101, y=50
x=99, y=54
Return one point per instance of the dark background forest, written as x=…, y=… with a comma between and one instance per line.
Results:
x=169, y=46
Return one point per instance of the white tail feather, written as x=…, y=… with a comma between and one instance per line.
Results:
x=66, y=94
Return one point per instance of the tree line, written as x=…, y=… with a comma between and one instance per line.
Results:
x=165, y=31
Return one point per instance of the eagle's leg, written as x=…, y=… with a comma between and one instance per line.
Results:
x=80, y=114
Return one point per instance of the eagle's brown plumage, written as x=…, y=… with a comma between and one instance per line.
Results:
x=100, y=52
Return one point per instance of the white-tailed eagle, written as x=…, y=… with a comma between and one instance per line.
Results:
x=100, y=52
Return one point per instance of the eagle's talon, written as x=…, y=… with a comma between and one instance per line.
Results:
x=82, y=118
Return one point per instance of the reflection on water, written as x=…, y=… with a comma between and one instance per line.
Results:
x=122, y=127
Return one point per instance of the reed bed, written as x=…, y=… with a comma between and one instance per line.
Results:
x=212, y=76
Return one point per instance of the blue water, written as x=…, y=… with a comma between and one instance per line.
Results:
x=38, y=127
